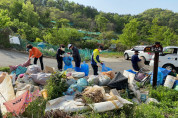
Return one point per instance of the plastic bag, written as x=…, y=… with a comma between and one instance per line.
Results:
x=71, y=81
x=84, y=68
x=119, y=82
x=27, y=63
x=162, y=73
x=33, y=69
x=26, y=79
x=68, y=62
x=104, y=80
x=93, y=80
x=72, y=89
x=78, y=74
x=20, y=70
x=169, y=81
x=110, y=74
x=42, y=78
x=66, y=104
x=82, y=82
x=105, y=69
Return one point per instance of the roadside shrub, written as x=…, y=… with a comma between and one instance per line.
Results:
x=5, y=69
x=56, y=85
x=4, y=38
x=35, y=109
x=147, y=111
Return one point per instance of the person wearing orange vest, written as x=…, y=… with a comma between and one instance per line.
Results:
x=35, y=53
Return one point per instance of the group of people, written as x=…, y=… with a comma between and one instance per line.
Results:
x=36, y=54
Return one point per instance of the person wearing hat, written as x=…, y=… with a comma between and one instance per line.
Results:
x=135, y=61
x=95, y=59
x=60, y=55
x=75, y=55
x=35, y=53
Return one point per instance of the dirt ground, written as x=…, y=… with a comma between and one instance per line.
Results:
x=8, y=57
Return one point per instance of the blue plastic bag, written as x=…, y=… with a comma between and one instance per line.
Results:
x=72, y=89
x=162, y=73
x=84, y=68
x=82, y=82
x=105, y=69
x=67, y=62
x=131, y=71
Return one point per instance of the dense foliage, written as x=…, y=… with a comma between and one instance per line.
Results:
x=58, y=21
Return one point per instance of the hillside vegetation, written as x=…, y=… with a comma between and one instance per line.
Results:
x=61, y=21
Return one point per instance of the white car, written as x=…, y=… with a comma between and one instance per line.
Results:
x=145, y=55
x=168, y=59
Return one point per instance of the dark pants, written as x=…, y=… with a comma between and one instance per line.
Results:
x=135, y=67
x=77, y=63
x=95, y=69
x=41, y=62
x=60, y=64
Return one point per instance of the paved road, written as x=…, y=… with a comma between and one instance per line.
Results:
x=14, y=58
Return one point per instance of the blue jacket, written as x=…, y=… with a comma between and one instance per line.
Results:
x=135, y=60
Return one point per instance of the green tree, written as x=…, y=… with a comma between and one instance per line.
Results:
x=130, y=35
x=16, y=8
x=161, y=34
x=28, y=14
x=62, y=36
x=4, y=19
x=62, y=22
x=101, y=22
x=108, y=35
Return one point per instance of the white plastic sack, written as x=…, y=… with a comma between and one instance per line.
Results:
x=141, y=63
x=7, y=92
x=106, y=106
x=93, y=80
x=33, y=69
x=42, y=78
x=131, y=78
x=26, y=79
x=14, y=40
x=169, y=81
x=66, y=104
x=23, y=87
x=151, y=100
x=104, y=80
x=126, y=73
x=78, y=74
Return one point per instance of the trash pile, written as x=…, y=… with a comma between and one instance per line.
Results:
x=98, y=93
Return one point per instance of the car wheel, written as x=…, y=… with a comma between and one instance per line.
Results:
x=170, y=67
x=126, y=56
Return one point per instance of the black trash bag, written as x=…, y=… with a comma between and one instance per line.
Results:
x=119, y=82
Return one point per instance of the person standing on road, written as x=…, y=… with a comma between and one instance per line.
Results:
x=75, y=55
x=95, y=59
x=60, y=55
x=135, y=61
x=35, y=53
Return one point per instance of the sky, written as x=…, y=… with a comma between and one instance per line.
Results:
x=132, y=7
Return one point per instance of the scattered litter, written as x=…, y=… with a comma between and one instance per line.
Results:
x=151, y=100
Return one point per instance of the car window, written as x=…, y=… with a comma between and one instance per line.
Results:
x=170, y=51
x=139, y=48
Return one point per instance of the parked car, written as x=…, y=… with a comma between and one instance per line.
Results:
x=168, y=59
x=145, y=55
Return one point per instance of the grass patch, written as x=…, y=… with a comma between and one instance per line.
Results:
x=112, y=54
x=5, y=69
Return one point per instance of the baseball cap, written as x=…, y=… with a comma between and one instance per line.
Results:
x=69, y=45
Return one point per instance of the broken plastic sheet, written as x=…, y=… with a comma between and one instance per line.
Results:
x=66, y=104
x=6, y=92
